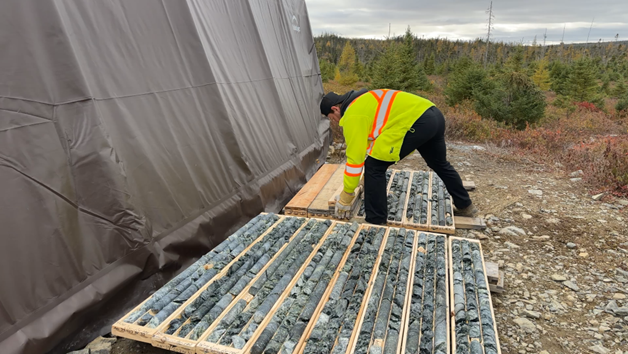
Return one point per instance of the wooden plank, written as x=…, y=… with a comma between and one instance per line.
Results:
x=468, y=223
x=492, y=271
x=353, y=340
x=321, y=202
x=145, y=334
x=302, y=200
x=188, y=346
x=449, y=305
x=407, y=304
x=497, y=286
x=468, y=185
x=452, y=301
x=329, y=212
x=300, y=346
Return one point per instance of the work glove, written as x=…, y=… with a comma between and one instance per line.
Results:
x=343, y=205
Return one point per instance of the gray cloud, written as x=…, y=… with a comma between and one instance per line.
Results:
x=514, y=21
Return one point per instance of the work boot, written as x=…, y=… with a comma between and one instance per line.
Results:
x=469, y=211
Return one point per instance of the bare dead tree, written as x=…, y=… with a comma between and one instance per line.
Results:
x=590, y=30
x=543, y=49
x=488, y=36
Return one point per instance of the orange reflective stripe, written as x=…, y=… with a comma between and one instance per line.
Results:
x=390, y=104
x=355, y=166
x=378, y=94
x=353, y=170
x=353, y=174
x=379, y=107
x=368, y=151
x=384, y=105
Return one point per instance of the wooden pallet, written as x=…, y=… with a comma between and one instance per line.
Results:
x=188, y=346
x=468, y=185
x=144, y=334
x=451, y=293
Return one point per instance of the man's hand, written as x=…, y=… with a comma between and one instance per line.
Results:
x=343, y=205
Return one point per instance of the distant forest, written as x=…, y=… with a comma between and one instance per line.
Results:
x=329, y=47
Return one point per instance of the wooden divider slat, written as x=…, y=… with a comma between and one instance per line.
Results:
x=403, y=330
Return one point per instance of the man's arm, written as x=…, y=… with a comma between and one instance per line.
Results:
x=356, y=137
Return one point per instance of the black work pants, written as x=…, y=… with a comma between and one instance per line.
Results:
x=427, y=135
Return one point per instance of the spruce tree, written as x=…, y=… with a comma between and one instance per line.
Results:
x=430, y=66
x=620, y=90
x=411, y=75
x=581, y=84
x=559, y=74
x=386, y=69
x=513, y=99
x=466, y=77
x=328, y=70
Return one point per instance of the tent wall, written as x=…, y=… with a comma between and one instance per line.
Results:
x=134, y=136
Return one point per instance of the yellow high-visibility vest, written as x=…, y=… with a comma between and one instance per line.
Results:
x=375, y=124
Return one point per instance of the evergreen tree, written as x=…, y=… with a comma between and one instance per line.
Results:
x=468, y=77
x=581, y=83
x=620, y=89
x=559, y=73
x=541, y=76
x=386, y=69
x=622, y=105
x=430, y=66
x=328, y=70
x=360, y=70
x=605, y=89
x=515, y=60
x=513, y=99
x=411, y=75
x=345, y=73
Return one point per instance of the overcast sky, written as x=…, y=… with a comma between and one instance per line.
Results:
x=513, y=21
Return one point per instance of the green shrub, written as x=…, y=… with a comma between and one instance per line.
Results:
x=512, y=99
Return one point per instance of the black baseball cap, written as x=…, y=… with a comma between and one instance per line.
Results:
x=331, y=99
